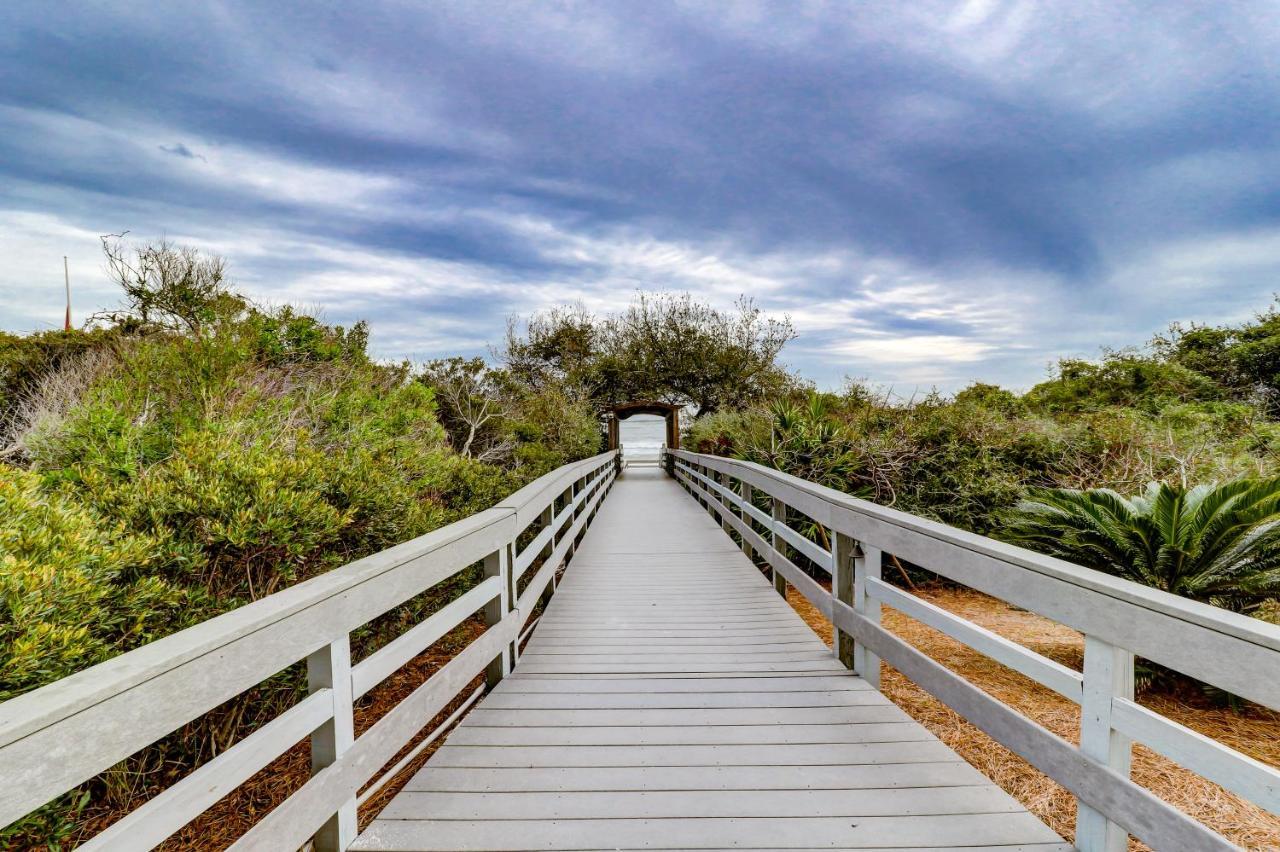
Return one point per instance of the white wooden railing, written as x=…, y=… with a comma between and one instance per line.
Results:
x=1118, y=619
x=59, y=736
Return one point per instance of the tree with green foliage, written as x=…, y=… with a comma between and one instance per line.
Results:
x=664, y=347
x=1126, y=379
x=1217, y=543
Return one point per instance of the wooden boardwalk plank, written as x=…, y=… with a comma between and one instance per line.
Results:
x=670, y=699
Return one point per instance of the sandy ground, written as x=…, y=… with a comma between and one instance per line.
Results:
x=1254, y=731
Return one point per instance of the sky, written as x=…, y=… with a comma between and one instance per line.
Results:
x=934, y=193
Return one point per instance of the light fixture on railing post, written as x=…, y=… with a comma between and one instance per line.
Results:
x=330, y=668
x=1108, y=674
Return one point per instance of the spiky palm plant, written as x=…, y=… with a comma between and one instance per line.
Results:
x=1216, y=543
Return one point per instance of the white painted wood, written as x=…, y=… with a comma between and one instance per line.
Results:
x=665, y=664
x=1185, y=635
x=745, y=507
x=779, y=516
x=329, y=671
x=412, y=754
x=1209, y=644
x=779, y=527
x=867, y=563
x=811, y=550
x=982, y=830
x=699, y=804
x=783, y=567
x=1147, y=817
x=153, y=823
x=497, y=566
x=388, y=659
x=1043, y=670
x=762, y=518
x=291, y=823
x=838, y=754
x=533, y=550
x=1239, y=773
x=691, y=735
x=837, y=709
x=56, y=737
x=843, y=550
x=1108, y=675
x=953, y=773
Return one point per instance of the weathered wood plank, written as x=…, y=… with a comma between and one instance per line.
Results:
x=638, y=701
x=952, y=773
x=1189, y=636
x=831, y=713
x=681, y=735
x=668, y=667
x=830, y=832
x=743, y=804
x=660, y=685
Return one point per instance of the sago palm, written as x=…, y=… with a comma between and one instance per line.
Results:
x=1215, y=543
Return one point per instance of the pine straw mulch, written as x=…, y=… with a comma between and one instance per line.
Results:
x=1255, y=731
x=221, y=825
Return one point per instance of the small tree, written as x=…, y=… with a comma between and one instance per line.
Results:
x=1219, y=544
x=665, y=347
x=471, y=406
x=170, y=287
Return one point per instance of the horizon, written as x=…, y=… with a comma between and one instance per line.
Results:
x=936, y=194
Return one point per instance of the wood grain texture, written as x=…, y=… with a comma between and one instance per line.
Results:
x=670, y=699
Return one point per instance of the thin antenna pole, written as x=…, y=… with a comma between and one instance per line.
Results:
x=66, y=274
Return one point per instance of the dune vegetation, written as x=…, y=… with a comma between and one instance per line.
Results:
x=192, y=451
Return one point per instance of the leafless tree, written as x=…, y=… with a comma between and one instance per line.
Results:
x=471, y=407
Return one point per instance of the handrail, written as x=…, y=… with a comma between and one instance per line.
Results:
x=1117, y=617
x=59, y=736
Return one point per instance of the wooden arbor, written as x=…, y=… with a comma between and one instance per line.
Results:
x=669, y=410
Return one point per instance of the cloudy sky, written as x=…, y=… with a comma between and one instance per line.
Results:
x=934, y=192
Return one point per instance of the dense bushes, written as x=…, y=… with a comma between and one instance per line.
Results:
x=193, y=452
x=1198, y=406
x=74, y=590
x=965, y=459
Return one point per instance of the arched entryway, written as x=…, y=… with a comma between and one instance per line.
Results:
x=667, y=410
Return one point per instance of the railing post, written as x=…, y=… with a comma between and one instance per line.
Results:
x=843, y=550
x=779, y=517
x=330, y=668
x=748, y=494
x=866, y=563
x=1108, y=674
x=498, y=564
x=547, y=518
x=723, y=479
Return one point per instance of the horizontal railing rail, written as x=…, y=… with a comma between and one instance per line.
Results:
x=1118, y=619
x=59, y=736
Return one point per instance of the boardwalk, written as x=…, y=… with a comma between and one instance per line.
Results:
x=669, y=699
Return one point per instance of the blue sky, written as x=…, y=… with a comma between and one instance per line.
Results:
x=934, y=192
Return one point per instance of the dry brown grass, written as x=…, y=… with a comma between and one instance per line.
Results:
x=1254, y=730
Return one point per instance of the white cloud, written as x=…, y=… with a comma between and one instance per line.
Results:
x=914, y=349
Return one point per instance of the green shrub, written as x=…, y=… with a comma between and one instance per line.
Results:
x=1214, y=543
x=74, y=588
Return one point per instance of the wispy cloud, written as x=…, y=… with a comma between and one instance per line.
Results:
x=935, y=192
